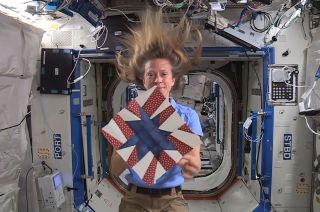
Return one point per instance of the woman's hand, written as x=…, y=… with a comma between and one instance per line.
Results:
x=191, y=163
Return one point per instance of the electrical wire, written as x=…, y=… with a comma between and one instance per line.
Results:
x=167, y=3
x=62, y=6
x=65, y=4
x=88, y=61
x=302, y=26
x=129, y=19
x=77, y=158
x=40, y=10
x=296, y=86
x=259, y=82
x=105, y=29
x=34, y=1
x=44, y=164
x=16, y=125
x=258, y=175
x=247, y=136
x=97, y=33
x=267, y=22
x=314, y=132
x=260, y=87
x=74, y=67
x=235, y=23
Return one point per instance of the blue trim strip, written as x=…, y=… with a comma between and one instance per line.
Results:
x=206, y=52
x=77, y=144
x=240, y=149
x=89, y=146
x=225, y=52
x=267, y=147
x=254, y=146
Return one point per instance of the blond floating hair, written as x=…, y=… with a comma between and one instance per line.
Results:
x=153, y=39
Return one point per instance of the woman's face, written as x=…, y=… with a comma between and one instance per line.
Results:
x=159, y=72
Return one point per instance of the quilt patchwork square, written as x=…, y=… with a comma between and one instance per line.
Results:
x=150, y=135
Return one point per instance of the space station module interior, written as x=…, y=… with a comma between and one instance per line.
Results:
x=255, y=90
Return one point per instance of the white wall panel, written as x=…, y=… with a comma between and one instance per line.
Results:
x=291, y=179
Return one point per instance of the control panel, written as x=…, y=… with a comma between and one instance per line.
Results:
x=283, y=84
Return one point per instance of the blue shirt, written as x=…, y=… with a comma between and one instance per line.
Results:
x=172, y=177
